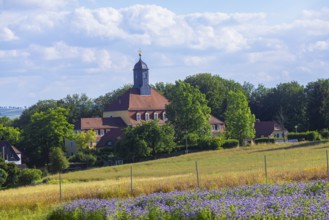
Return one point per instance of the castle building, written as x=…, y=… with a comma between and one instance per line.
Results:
x=139, y=104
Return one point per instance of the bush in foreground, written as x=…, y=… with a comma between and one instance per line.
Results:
x=288, y=201
x=29, y=176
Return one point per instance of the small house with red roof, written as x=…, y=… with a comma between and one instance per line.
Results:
x=270, y=129
x=139, y=104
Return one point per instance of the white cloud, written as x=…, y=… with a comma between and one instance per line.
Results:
x=271, y=57
x=155, y=24
x=198, y=60
x=319, y=46
x=103, y=22
x=10, y=54
x=7, y=35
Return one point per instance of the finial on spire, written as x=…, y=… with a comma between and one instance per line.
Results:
x=140, y=53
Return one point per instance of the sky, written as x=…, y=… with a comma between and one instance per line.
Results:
x=53, y=48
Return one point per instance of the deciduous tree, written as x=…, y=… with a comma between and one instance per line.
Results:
x=188, y=111
x=238, y=118
x=317, y=94
x=10, y=134
x=46, y=130
x=58, y=161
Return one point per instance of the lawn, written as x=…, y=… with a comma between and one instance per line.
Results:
x=233, y=167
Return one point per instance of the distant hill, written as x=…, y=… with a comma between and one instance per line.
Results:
x=11, y=112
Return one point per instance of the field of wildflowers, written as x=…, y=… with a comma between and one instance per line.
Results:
x=308, y=200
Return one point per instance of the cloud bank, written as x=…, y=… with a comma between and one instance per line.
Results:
x=53, y=48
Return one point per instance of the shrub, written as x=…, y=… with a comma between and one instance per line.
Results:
x=29, y=176
x=230, y=143
x=324, y=133
x=89, y=159
x=302, y=136
x=213, y=143
x=264, y=140
x=13, y=173
x=3, y=176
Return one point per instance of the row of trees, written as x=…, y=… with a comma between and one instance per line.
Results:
x=44, y=125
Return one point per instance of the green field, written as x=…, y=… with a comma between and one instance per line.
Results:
x=245, y=165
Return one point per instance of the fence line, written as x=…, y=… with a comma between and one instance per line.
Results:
x=266, y=163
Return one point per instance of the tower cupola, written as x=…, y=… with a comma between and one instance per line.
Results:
x=141, y=77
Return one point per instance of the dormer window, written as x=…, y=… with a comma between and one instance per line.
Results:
x=164, y=116
x=101, y=132
x=156, y=116
x=147, y=116
x=138, y=117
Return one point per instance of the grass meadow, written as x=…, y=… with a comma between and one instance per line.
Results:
x=289, y=162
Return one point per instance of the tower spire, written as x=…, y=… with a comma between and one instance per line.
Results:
x=140, y=53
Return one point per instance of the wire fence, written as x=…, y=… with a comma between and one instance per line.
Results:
x=266, y=166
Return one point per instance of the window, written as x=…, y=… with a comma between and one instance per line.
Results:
x=96, y=131
x=156, y=116
x=214, y=127
x=102, y=132
x=107, y=130
x=147, y=116
x=138, y=116
x=164, y=116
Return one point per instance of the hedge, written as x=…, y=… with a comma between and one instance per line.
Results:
x=305, y=136
x=265, y=140
x=230, y=143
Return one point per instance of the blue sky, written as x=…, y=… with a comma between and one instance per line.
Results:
x=49, y=49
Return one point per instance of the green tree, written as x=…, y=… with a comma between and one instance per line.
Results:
x=285, y=104
x=10, y=134
x=26, y=116
x=6, y=121
x=131, y=146
x=257, y=103
x=46, y=130
x=83, y=139
x=58, y=161
x=216, y=90
x=160, y=138
x=317, y=96
x=80, y=106
x=146, y=139
x=188, y=111
x=102, y=101
x=238, y=118
x=163, y=88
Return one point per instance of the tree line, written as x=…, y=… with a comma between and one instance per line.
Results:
x=46, y=124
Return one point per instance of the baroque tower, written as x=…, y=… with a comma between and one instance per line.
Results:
x=141, y=77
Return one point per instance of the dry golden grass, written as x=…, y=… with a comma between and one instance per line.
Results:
x=225, y=168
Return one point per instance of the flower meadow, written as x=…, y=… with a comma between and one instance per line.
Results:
x=268, y=201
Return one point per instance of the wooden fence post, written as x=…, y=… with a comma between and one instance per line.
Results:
x=265, y=164
x=197, y=173
x=131, y=180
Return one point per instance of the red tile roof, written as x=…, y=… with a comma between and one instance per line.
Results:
x=266, y=128
x=132, y=100
x=110, y=136
x=99, y=123
x=213, y=120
